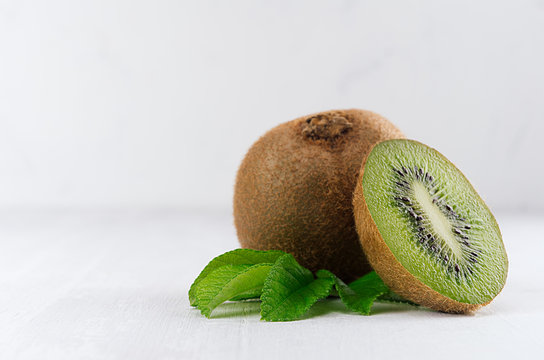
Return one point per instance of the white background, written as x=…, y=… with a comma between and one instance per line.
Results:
x=122, y=124
x=154, y=103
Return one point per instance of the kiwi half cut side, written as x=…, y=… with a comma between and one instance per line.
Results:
x=426, y=231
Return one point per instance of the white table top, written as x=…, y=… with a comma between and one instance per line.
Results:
x=113, y=285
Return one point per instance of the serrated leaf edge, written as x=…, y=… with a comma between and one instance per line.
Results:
x=212, y=265
x=267, y=289
x=206, y=310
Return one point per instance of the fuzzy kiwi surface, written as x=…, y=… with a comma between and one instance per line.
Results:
x=426, y=231
x=294, y=189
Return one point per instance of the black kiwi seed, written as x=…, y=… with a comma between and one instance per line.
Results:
x=457, y=269
x=468, y=227
x=449, y=208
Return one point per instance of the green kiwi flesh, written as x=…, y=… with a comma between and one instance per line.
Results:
x=434, y=223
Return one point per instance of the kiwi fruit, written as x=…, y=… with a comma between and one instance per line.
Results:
x=294, y=189
x=426, y=231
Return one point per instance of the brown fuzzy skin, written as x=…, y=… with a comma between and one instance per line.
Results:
x=390, y=270
x=294, y=189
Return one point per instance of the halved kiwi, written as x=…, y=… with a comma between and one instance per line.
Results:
x=425, y=230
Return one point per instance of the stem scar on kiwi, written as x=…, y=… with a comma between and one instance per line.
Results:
x=426, y=231
x=294, y=189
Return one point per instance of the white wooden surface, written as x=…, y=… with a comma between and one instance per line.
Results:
x=113, y=285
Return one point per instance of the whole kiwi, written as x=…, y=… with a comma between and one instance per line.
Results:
x=295, y=186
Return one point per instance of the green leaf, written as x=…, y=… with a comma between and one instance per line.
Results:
x=234, y=257
x=290, y=290
x=366, y=289
x=228, y=282
x=360, y=294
